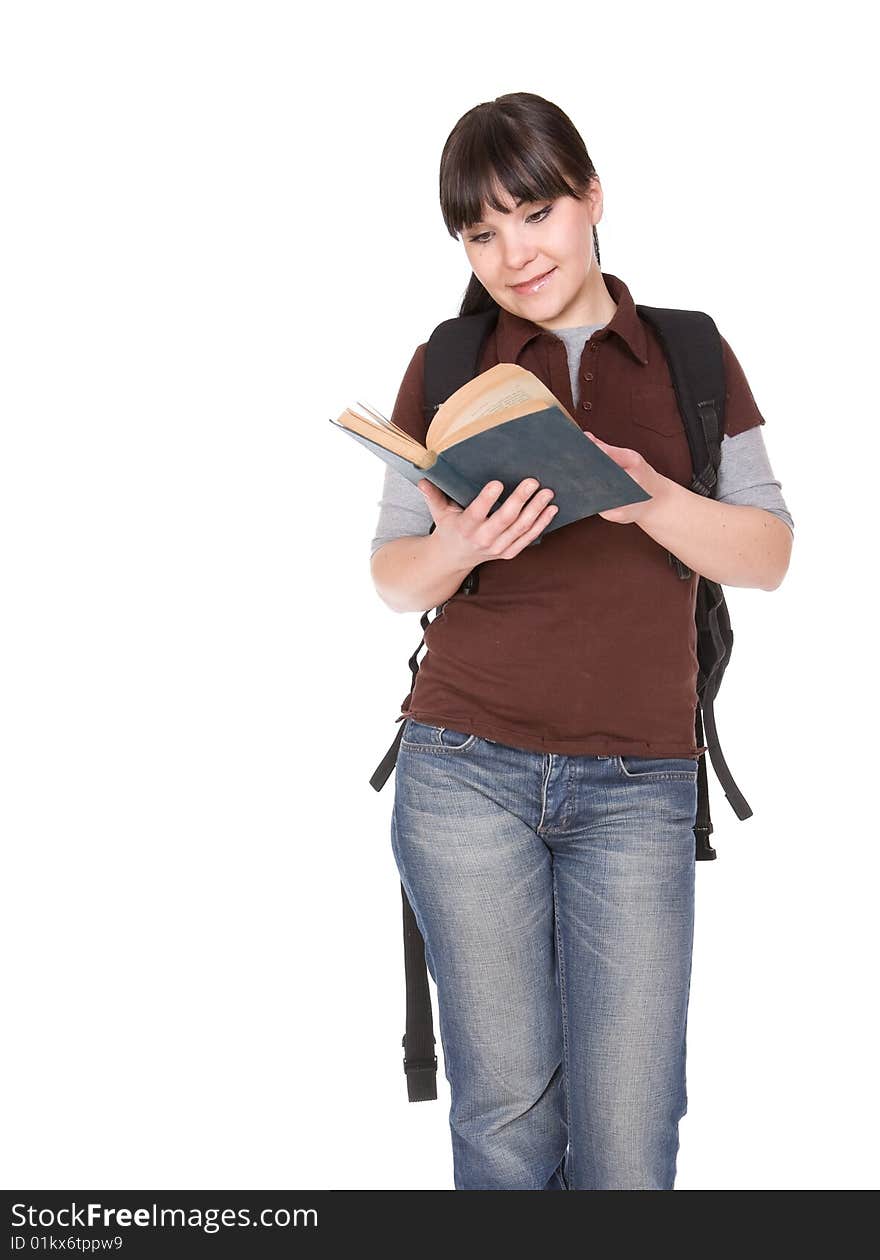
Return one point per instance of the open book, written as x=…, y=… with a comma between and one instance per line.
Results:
x=502, y=425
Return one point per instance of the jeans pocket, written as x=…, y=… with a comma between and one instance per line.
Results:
x=421, y=735
x=650, y=768
x=456, y=740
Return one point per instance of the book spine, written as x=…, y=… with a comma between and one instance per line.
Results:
x=452, y=483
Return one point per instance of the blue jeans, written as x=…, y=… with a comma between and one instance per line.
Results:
x=555, y=895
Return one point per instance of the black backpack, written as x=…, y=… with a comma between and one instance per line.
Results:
x=692, y=346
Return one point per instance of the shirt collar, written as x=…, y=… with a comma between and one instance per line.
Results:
x=515, y=332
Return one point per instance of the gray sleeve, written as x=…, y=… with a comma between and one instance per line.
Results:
x=746, y=478
x=402, y=511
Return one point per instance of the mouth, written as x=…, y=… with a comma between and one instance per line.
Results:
x=535, y=284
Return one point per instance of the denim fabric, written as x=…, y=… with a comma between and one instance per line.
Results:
x=556, y=898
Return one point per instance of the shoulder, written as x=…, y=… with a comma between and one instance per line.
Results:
x=740, y=409
x=409, y=407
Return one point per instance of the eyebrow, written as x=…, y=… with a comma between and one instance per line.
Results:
x=522, y=201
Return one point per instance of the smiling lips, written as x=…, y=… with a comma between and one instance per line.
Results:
x=535, y=284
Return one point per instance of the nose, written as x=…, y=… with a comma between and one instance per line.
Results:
x=518, y=256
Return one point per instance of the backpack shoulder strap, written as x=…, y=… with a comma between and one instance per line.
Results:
x=451, y=360
x=453, y=355
x=692, y=345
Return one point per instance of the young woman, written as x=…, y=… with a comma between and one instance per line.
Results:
x=546, y=782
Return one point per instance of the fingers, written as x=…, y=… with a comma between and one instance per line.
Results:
x=523, y=515
x=534, y=518
x=438, y=502
x=478, y=509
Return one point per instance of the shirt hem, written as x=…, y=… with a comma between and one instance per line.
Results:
x=575, y=747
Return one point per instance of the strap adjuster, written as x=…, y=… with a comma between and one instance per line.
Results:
x=420, y=1065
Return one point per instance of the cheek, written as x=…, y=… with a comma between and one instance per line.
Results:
x=482, y=269
x=475, y=262
x=573, y=241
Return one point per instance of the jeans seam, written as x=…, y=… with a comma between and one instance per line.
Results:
x=654, y=775
x=441, y=748
x=566, y=1078
x=651, y=776
x=544, y=782
x=437, y=745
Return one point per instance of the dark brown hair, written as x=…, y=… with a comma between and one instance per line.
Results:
x=522, y=142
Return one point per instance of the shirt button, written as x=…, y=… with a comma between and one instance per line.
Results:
x=587, y=406
x=588, y=376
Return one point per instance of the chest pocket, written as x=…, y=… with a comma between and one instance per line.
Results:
x=657, y=431
x=655, y=407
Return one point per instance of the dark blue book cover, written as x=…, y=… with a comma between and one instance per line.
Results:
x=544, y=444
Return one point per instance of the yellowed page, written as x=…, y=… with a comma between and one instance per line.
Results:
x=386, y=434
x=503, y=393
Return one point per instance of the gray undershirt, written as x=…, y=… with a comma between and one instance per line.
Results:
x=744, y=474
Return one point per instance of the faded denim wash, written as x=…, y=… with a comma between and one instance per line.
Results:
x=556, y=898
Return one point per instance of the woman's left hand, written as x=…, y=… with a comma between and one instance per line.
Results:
x=640, y=471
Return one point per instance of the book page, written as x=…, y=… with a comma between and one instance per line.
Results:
x=515, y=394
x=364, y=412
x=360, y=419
x=502, y=393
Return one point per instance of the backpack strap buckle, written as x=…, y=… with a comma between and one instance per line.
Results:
x=421, y=1076
x=420, y=1065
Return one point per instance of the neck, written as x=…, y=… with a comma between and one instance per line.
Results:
x=592, y=304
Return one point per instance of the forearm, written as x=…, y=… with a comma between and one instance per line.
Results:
x=727, y=543
x=414, y=574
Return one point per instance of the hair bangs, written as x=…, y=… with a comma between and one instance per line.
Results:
x=497, y=158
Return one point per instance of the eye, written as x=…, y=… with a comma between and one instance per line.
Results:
x=538, y=217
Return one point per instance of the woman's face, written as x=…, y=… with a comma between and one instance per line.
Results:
x=537, y=237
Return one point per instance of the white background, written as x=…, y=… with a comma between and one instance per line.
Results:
x=220, y=227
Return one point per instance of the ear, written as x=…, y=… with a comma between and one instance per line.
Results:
x=595, y=195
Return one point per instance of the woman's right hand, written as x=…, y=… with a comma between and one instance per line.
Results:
x=472, y=535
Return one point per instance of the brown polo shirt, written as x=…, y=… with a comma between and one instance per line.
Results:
x=586, y=644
